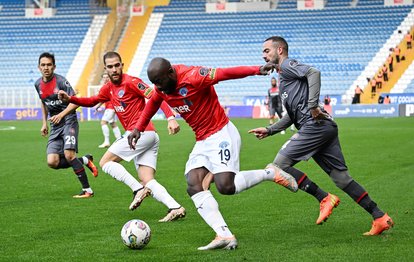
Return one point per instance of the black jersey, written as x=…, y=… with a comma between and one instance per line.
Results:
x=48, y=93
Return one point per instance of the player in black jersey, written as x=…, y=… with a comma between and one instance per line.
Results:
x=62, y=144
x=317, y=136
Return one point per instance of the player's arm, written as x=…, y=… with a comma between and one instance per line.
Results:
x=241, y=71
x=44, y=130
x=313, y=77
x=263, y=132
x=150, y=109
x=58, y=117
x=173, y=126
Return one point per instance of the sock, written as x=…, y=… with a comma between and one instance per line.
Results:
x=119, y=172
x=117, y=132
x=160, y=193
x=80, y=172
x=89, y=190
x=84, y=160
x=63, y=163
x=305, y=184
x=359, y=195
x=247, y=179
x=105, y=131
x=208, y=209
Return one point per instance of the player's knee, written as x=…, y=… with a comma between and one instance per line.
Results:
x=226, y=189
x=194, y=189
x=341, y=178
x=283, y=162
x=53, y=164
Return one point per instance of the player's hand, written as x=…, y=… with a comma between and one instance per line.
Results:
x=133, y=138
x=260, y=132
x=63, y=96
x=317, y=114
x=267, y=68
x=55, y=119
x=44, y=131
x=173, y=127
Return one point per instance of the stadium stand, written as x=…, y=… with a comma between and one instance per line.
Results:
x=339, y=41
x=23, y=39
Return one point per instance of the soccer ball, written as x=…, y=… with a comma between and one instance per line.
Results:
x=136, y=234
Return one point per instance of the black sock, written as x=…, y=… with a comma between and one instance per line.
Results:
x=359, y=195
x=305, y=184
x=63, y=163
x=80, y=172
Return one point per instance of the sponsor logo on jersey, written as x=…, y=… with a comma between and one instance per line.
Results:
x=284, y=95
x=183, y=91
x=182, y=109
x=212, y=73
x=119, y=108
x=203, y=71
x=53, y=102
x=141, y=86
x=121, y=93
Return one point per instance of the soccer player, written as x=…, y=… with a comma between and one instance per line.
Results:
x=274, y=101
x=62, y=144
x=128, y=94
x=189, y=91
x=108, y=118
x=317, y=136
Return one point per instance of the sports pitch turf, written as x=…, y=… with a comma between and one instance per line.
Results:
x=41, y=221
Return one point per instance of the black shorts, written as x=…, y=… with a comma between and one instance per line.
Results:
x=63, y=137
x=319, y=141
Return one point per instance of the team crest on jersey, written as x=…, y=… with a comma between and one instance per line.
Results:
x=183, y=91
x=121, y=93
x=141, y=86
x=224, y=144
x=293, y=63
x=67, y=83
x=203, y=71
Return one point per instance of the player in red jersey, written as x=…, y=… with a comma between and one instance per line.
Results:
x=128, y=94
x=189, y=91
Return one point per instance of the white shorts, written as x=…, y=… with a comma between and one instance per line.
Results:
x=218, y=153
x=109, y=116
x=146, y=149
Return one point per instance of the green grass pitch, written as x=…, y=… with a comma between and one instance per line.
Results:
x=40, y=221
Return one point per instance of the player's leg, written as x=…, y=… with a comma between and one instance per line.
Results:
x=146, y=162
x=112, y=122
x=332, y=161
x=105, y=132
x=223, y=151
x=271, y=113
x=116, y=130
x=208, y=209
x=79, y=170
x=69, y=140
x=110, y=165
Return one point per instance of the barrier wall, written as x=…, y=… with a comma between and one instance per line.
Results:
x=246, y=111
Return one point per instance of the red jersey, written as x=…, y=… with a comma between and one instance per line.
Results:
x=128, y=100
x=108, y=105
x=195, y=98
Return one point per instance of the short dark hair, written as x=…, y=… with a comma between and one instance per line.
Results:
x=111, y=54
x=47, y=55
x=280, y=41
